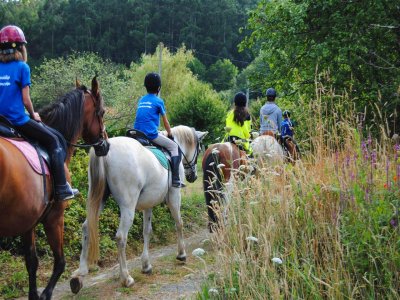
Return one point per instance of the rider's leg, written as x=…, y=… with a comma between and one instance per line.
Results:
x=38, y=132
x=176, y=158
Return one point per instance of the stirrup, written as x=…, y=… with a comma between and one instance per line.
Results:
x=65, y=192
x=178, y=185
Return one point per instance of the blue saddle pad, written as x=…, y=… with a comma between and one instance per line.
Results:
x=160, y=156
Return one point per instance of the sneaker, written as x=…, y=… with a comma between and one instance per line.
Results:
x=65, y=192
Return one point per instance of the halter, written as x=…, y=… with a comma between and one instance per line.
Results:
x=101, y=147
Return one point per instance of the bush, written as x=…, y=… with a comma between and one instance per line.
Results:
x=200, y=107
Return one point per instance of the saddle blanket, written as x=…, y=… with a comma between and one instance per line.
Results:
x=160, y=156
x=30, y=154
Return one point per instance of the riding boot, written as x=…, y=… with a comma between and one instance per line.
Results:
x=63, y=190
x=175, y=163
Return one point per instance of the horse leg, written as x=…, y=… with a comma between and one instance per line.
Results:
x=174, y=205
x=127, y=215
x=31, y=262
x=54, y=228
x=146, y=266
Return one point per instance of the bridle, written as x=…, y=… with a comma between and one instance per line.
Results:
x=101, y=146
x=193, y=162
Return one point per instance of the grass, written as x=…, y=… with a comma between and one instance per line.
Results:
x=332, y=219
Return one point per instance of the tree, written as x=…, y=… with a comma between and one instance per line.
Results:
x=356, y=42
x=222, y=74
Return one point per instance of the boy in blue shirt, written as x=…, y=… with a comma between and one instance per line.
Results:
x=287, y=136
x=150, y=108
x=287, y=126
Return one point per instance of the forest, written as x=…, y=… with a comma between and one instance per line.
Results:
x=332, y=218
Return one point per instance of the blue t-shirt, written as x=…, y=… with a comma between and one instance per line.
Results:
x=286, y=128
x=14, y=76
x=150, y=107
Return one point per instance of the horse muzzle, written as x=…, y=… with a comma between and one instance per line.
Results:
x=191, y=177
x=102, y=148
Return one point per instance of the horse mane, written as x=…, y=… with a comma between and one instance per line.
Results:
x=184, y=134
x=65, y=114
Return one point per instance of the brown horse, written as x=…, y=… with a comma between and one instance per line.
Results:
x=220, y=164
x=291, y=150
x=77, y=114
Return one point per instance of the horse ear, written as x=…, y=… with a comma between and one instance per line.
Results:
x=201, y=135
x=95, y=86
x=77, y=82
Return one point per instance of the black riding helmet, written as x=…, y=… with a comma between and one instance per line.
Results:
x=152, y=82
x=240, y=99
x=286, y=113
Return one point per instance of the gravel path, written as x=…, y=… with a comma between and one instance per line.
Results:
x=170, y=279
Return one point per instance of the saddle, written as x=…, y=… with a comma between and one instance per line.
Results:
x=162, y=154
x=237, y=141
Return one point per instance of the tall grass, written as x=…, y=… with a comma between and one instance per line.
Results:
x=325, y=228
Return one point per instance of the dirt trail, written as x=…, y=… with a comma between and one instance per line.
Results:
x=170, y=279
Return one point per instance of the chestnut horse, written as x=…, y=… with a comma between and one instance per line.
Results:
x=77, y=114
x=220, y=163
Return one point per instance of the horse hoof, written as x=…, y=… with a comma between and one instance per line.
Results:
x=181, y=258
x=76, y=284
x=147, y=270
x=129, y=282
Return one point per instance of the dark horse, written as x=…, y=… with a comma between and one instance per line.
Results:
x=77, y=114
x=220, y=161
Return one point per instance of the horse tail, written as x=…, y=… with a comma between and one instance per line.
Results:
x=97, y=190
x=211, y=183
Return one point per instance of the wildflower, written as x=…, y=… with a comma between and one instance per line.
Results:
x=369, y=141
x=213, y=292
x=395, y=178
x=252, y=238
x=277, y=260
x=394, y=222
x=198, y=252
x=385, y=186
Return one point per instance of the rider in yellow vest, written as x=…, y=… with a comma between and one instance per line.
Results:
x=238, y=123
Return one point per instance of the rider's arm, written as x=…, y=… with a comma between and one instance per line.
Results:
x=26, y=98
x=166, y=124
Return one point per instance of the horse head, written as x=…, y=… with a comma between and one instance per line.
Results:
x=189, y=141
x=93, y=129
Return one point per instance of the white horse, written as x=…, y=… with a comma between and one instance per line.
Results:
x=138, y=182
x=268, y=150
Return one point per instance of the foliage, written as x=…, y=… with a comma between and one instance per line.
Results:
x=54, y=28
x=197, y=68
x=201, y=108
x=222, y=74
x=55, y=77
x=357, y=42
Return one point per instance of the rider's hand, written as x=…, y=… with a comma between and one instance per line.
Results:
x=36, y=117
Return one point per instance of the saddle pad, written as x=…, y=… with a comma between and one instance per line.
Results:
x=30, y=154
x=160, y=156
